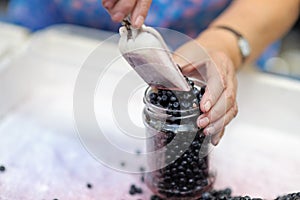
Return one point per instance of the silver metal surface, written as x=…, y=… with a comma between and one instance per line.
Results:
x=146, y=52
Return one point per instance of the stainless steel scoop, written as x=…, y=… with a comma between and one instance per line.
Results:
x=147, y=53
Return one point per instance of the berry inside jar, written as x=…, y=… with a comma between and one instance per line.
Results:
x=182, y=169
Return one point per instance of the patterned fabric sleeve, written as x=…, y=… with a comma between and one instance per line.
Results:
x=38, y=14
x=34, y=14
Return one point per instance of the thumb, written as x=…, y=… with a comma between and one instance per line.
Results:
x=140, y=12
x=190, y=57
x=187, y=67
x=195, y=69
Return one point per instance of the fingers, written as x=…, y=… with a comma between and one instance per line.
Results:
x=219, y=100
x=224, y=103
x=108, y=4
x=216, y=138
x=216, y=84
x=220, y=124
x=189, y=70
x=140, y=12
x=120, y=8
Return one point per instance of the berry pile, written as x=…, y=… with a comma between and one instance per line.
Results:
x=223, y=195
x=226, y=195
x=293, y=196
x=216, y=195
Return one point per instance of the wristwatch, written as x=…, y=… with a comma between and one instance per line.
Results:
x=243, y=43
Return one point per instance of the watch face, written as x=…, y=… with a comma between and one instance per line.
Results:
x=245, y=47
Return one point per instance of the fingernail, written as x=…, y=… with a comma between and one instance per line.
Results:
x=209, y=131
x=118, y=16
x=139, y=22
x=215, y=140
x=108, y=5
x=203, y=122
x=207, y=106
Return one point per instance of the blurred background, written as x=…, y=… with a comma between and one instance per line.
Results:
x=286, y=63
x=3, y=6
x=39, y=144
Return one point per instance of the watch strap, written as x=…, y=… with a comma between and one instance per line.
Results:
x=237, y=34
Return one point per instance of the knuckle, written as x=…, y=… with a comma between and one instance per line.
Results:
x=127, y=7
x=144, y=4
x=108, y=4
x=209, y=116
x=104, y=1
x=223, y=80
x=215, y=114
x=230, y=98
x=219, y=127
x=231, y=114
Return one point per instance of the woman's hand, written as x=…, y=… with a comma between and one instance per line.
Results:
x=218, y=72
x=119, y=9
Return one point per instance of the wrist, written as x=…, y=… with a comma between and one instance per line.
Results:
x=221, y=40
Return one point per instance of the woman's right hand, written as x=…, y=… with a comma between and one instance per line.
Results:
x=119, y=9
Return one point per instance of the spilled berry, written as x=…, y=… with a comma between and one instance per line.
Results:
x=2, y=168
x=89, y=186
x=135, y=190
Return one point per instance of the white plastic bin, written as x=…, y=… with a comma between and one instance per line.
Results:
x=12, y=40
x=258, y=156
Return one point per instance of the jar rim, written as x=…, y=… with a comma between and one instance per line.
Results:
x=159, y=109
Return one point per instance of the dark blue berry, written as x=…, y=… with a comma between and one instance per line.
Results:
x=206, y=196
x=195, y=91
x=122, y=164
x=138, y=152
x=135, y=190
x=132, y=191
x=89, y=186
x=164, y=97
x=169, y=93
x=154, y=197
x=2, y=168
x=191, y=83
x=173, y=98
x=227, y=191
x=202, y=90
x=175, y=105
x=138, y=190
x=142, y=169
x=153, y=96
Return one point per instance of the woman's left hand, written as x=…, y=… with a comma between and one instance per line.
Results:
x=216, y=69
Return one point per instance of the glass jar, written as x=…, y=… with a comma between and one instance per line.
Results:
x=179, y=161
